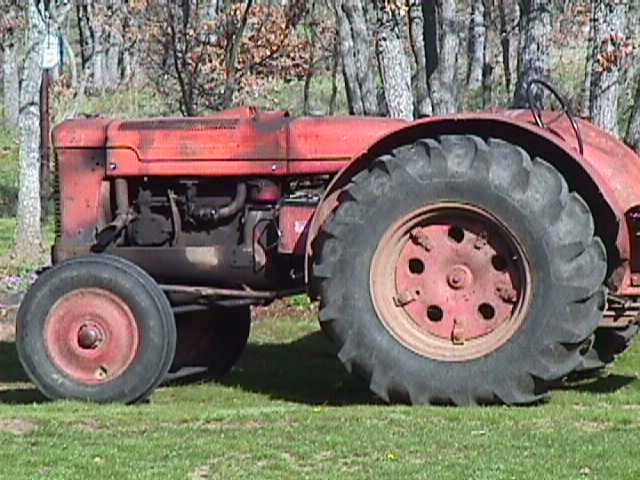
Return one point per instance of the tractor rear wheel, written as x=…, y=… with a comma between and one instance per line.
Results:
x=212, y=338
x=459, y=271
x=96, y=328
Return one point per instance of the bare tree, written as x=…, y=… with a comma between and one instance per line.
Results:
x=28, y=234
x=393, y=62
x=423, y=106
x=11, y=25
x=11, y=83
x=610, y=49
x=442, y=45
x=103, y=27
x=199, y=64
x=507, y=11
x=632, y=136
x=477, y=44
x=355, y=49
x=41, y=18
x=534, y=47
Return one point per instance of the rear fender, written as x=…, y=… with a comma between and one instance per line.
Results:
x=607, y=175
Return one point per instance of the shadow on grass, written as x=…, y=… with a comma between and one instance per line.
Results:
x=305, y=371
x=308, y=371
x=11, y=372
x=602, y=384
x=10, y=369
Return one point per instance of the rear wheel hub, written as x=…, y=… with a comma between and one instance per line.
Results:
x=450, y=282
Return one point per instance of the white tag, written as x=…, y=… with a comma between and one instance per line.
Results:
x=50, y=51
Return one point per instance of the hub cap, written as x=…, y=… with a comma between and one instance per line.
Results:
x=91, y=335
x=450, y=282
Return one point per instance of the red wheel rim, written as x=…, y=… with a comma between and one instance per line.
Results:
x=450, y=282
x=91, y=335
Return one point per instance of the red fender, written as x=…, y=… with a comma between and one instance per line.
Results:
x=607, y=175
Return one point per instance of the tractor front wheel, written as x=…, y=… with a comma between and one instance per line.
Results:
x=96, y=328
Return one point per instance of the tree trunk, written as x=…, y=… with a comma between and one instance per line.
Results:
x=535, y=47
x=441, y=45
x=98, y=60
x=609, y=18
x=422, y=107
x=335, y=63
x=588, y=65
x=632, y=135
x=231, y=57
x=487, y=66
x=393, y=64
x=507, y=12
x=212, y=8
x=355, y=43
x=476, y=45
x=113, y=58
x=11, y=84
x=28, y=235
x=633, y=128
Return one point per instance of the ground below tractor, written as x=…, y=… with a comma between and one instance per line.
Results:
x=467, y=259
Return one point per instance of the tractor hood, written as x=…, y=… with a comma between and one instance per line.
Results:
x=246, y=134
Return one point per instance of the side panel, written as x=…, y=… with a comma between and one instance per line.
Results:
x=84, y=194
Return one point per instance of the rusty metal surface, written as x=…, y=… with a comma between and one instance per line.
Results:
x=228, y=292
x=91, y=335
x=211, y=265
x=83, y=203
x=447, y=282
x=294, y=221
x=81, y=133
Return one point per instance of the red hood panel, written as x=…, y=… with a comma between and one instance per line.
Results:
x=81, y=133
x=263, y=136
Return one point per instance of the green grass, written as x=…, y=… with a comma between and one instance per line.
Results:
x=8, y=230
x=8, y=171
x=7, y=235
x=11, y=267
x=125, y=102
x=290, y=411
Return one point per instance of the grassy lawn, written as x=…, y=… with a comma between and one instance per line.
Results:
x=290, y=411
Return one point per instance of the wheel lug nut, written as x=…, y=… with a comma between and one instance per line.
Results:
x=89, y=337
x=420, y=238
x=481, y=240
x=101, y=372
x=457, y=334
x=403, y=298
x=506, y=293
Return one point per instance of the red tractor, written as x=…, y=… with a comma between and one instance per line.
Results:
x=464, y=259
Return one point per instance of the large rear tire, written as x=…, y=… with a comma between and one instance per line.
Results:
x=96, y=328
x=460, y=271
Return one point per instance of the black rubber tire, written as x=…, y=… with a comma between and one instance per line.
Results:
x=531, y=198
x=131, y=284
x=213, y=338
